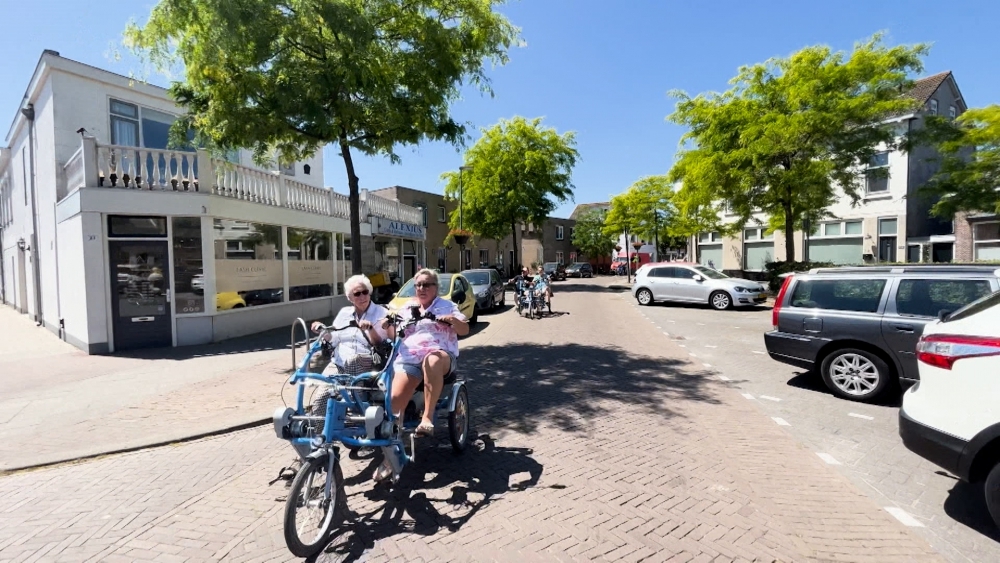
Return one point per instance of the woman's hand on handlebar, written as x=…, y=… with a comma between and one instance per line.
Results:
x=317, y=327
x=460, y=327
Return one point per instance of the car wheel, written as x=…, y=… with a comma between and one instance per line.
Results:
x=856, y=375
x=475, y=316
x=720, y=300
x=644, y=297
x=993, y=493
x=503, y=299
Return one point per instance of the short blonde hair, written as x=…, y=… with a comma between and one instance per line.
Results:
x=355, y=281
x=427, y=272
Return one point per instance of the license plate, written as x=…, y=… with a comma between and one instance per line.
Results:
x=762, y=296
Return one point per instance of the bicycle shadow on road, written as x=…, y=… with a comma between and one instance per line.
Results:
x=522, y=387
x=441, y=493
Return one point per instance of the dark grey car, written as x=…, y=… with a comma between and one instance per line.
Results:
x=860, y=326
x=488, y=287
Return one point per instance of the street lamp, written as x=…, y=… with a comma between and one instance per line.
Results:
x=461, y=221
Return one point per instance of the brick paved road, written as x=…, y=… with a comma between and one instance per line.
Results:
x=866, y=445
x=595, y=442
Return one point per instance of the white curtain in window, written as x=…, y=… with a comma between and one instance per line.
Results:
x=124, y=132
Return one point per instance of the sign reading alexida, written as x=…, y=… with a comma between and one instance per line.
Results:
x=400, y=229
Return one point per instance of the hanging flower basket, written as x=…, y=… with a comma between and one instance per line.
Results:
x=637, y=245
x=618, y=247
x=460, y=236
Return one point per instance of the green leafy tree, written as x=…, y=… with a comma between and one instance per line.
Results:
x=519, y=170
x=649, y=209
x=292, y=76
x=589, y=236
x=968, y=149
x=793, y=132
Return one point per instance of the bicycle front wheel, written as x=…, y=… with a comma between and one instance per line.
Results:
x=309, y=513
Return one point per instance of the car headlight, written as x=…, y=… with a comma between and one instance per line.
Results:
x=483, y=293
x=741, y=289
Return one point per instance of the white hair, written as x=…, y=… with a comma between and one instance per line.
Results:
x=354, y=282
x=427, y=272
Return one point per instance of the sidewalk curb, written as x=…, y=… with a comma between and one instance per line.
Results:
x=189, y=438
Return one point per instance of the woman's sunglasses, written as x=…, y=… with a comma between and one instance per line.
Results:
x=424, y=285
x=360, y=293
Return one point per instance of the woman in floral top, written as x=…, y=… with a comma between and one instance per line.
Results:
x=428, y=353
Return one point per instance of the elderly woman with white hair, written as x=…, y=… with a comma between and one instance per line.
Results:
x=353, y=346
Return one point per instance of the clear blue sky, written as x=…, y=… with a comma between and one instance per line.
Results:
x=599, y=68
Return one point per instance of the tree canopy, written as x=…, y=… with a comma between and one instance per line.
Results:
x=969, y=161
x=649, y=209
x=291, y=76
x=793, y=132
x=519, y=171
x=589, y=236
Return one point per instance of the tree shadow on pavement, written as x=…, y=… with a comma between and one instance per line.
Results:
x=440, y=493
x=966, y=505
x=522, y=386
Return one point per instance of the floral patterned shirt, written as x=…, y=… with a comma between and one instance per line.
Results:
x=428, y=336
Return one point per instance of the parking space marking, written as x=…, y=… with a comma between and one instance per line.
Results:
x=780, y=421
x=904, y=517
x=707, y=365
x=736, y=327
x=761, y=353
x=864, y=416
x=682, y=345
x=747, y=395
x=829, y=459
x=710, y=346
x=693, y=355
x=770, y=398
x=724, y=378
x=700, y=324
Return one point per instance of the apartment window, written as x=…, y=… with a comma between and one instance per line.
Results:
x=934, y=107
x=441, y=214
x=559, y=257
x=709, y=238
x=952, y=112
x=423, y=213
x=877, y=175
x=136, y=126
x=484, y=258
x=124, y=124
x=986, y=241
x=572, y=232
x=559, y=232
x=758, y=248
x=837, y=229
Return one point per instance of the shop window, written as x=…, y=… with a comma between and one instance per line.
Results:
x=132, y=226
x=310, y=263
x=248, y=266
x=189, y=275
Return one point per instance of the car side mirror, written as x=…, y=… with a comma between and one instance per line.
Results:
x=943, y=314
x=698, y=278
x=458, y=296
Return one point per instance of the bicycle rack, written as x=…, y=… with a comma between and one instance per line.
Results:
x=305, y=332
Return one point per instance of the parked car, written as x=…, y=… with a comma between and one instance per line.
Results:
x=859, y=326
x=229, y=300
x=579, y=270
x=692, y=283
x=487, y=287
x=555, y=270
x=950, y=417
x=453, y=287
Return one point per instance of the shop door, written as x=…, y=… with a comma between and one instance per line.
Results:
x=140, y=294
x=409, y=268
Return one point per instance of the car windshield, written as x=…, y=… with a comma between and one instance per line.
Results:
x=444, y=285
x=477, y=278
x=550, y=266
x=581, y=264
x=710, y=273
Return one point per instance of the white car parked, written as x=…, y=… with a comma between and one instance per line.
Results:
x=693, y=283
x=952, y=415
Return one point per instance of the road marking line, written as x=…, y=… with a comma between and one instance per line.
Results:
x=747, y=395
x=724, y=378
x=736, y=327
x=904, y=517
x=710, y=346
x=780, y=421
x=700, y=324
x=693, y=355
x=756, y=352
x=707, y=365
x=864, y=416
x=682, y=345
x=770, y=398
x=829, y=459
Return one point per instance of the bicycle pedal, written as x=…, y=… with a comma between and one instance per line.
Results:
x=413, y=447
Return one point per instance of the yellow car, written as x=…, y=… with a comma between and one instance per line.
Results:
x=229, y=300
x=448, y=286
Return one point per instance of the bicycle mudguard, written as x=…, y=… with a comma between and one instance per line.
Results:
x=456, y=387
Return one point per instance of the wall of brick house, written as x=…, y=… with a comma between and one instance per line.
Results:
x=963, y=238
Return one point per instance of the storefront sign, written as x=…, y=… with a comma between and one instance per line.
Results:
x=399, y=229
x=247, y=275
x=310, y=272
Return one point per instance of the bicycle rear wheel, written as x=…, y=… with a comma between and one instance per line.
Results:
x=309, y=514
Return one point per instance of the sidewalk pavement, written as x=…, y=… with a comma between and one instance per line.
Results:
x=57, y=403
x=596, y=439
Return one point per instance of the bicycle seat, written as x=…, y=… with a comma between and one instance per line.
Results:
x=448, y=380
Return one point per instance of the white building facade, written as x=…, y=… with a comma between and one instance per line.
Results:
x=114, y=241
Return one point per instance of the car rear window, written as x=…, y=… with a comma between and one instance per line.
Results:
x=991, y=300
x=927, y=298
x=861, y=295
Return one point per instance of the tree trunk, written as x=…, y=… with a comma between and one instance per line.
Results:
x=515, y=246
x=354, y=193
x=789, y=233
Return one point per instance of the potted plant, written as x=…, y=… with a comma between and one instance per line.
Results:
x=460, y=236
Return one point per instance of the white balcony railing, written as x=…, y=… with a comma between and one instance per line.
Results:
x=132, y=168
